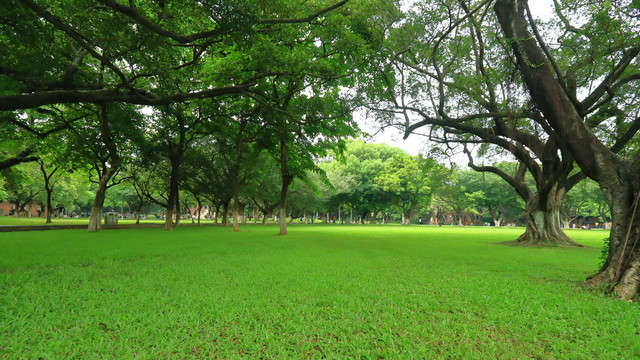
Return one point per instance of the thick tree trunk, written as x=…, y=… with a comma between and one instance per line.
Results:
x=225, y=213
x=236, y=211
x=282, y=220
x=373, y=219
x=168, y=219
x=543, y=221
x=621, y=271
x=95, y=216
x=98, y=201
x=177, y=211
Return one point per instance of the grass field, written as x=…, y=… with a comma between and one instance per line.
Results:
x=11, y=220
x=323, y=291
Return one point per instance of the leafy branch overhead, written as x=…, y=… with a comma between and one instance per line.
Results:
x=144, y=50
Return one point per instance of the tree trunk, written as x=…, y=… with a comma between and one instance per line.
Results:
x=225, y=213
x=286, y=181
x=98, y=201
x=236, y=211
x=168, y=219
x=177, y=211
x=48, y=208
x=621, y=271
x=498, y=221
x=543, y=221
x=374, y=216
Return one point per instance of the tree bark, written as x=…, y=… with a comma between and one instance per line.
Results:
x=172, y=199
x=286, y=181
x=237, y=210
x=108, y=171
x=621, y=271
x=225, y=213
x=48, y=186
x=543, y=220
x=49, y=193
x=619, y=179
x=98, y=201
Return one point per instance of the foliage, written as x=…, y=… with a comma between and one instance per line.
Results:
x=412, y=182
x=454, y=199
x=500, y=201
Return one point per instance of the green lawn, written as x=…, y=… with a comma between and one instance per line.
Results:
x=322, y=291
x=11, y=220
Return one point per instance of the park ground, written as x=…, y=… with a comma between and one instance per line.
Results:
x=322, y=291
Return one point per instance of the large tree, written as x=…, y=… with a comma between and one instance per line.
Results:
x=449, y=80
x=577, y=95
x=611, y=35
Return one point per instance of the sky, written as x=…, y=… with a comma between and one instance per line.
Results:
x=416, y=144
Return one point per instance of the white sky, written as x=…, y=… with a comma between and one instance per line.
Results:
x=416, y=144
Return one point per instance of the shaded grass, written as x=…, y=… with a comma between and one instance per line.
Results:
x=321, y=291
x=22, y=220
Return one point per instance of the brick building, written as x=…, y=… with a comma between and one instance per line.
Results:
x=8, y=209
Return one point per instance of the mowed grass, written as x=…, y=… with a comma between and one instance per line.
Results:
x=23, y=221
x=323, y=291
